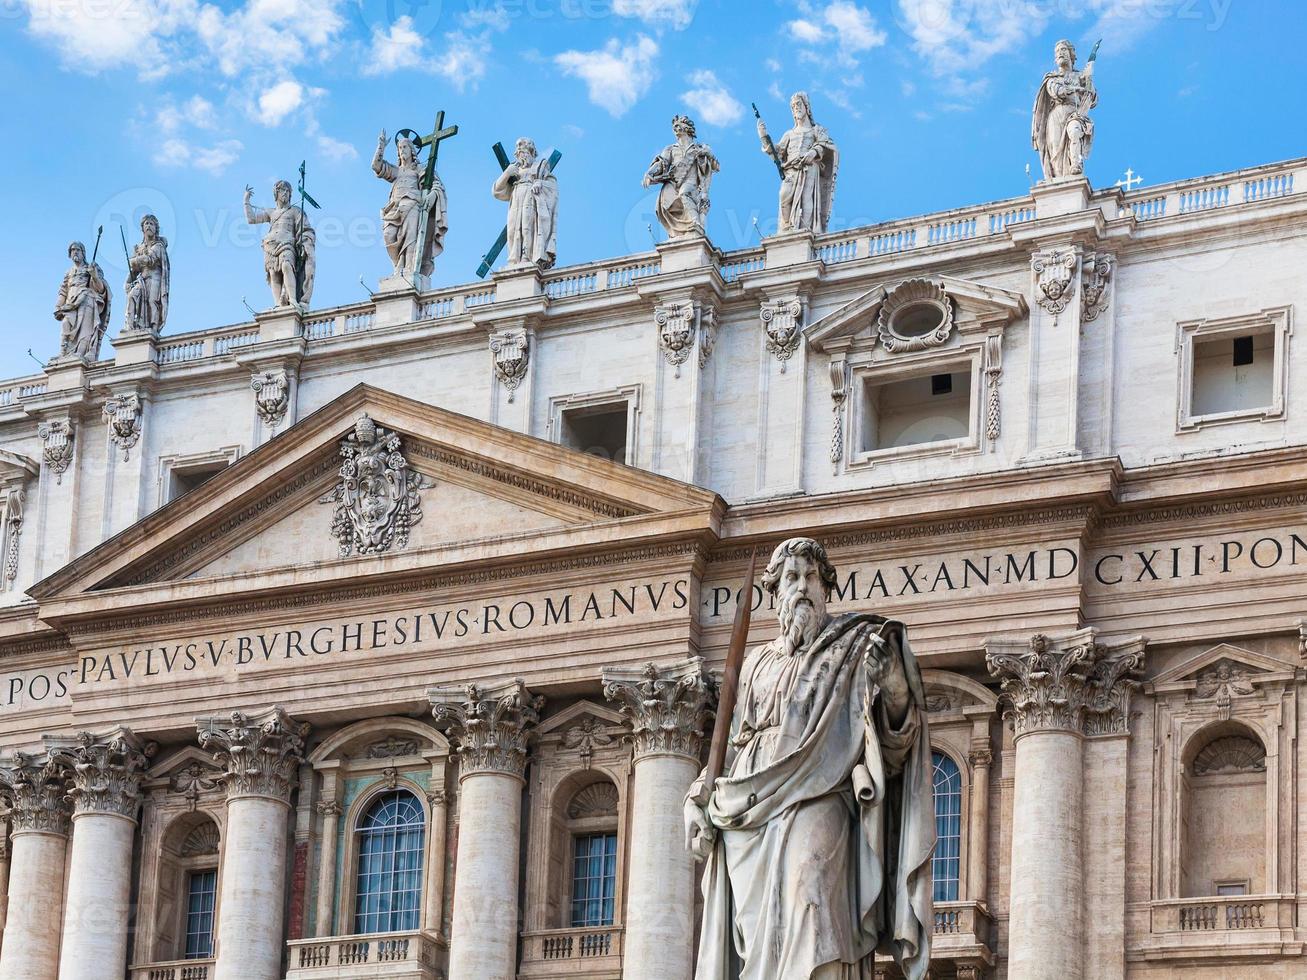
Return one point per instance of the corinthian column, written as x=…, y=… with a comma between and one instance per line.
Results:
x=666, y=707
x=106, y=793
x=261, y=755
x=36, y=791
x=490, y=727
x=1054, y=687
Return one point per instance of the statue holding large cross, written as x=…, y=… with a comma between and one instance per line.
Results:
x=529, y=186
x=415, y=217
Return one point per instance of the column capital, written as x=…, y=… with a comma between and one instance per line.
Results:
x=260, y=753
x=666, y=705
x=1068, y=684
x=105, y=770
x=489, y=724
x=34, y=787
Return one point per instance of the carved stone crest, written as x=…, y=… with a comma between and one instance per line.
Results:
x=123, y=414
x=193, y=782
x=57, y=446
x=584, y=736
x=1095, y=274
x=377, y=500
x=676, y=324
x=390, y=747
x=271, y=396
x=1056, y=270
x=782, y=320
x=511, y=350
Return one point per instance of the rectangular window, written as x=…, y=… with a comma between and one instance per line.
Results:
x=184, y=480
x=594, y=879
x=1232, y=888
x=928, y=408
x=1234, y=374
x=201, y=896
x=598, y=430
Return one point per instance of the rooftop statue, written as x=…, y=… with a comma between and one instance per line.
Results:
x=148, y=275
x=827, y=770
x=415, y=217
x=82, y=306
x=531, y=190
x=289, y=247
x=1061, y=129
x=684, y=172
x=809, y=164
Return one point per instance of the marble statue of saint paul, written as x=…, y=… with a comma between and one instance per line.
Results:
x=818, y=838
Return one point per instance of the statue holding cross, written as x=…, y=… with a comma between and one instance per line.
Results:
x=415, y=217
x=529, y=186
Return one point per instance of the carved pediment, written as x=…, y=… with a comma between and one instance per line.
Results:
x=1222, y=664
x=964, y=306
x=375, y=478
x=948, y=693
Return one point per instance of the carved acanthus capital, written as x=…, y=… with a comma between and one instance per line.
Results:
x=1095, y=274
x=123, y=414
x=35, y=792
x=259, y=754
x=1055, y=275
x=666, y=706
x=57, y=437
x=1071, y=684
x=271, y=396
x=329, y=808
x=106, y=770
x=782, y=322
x=490, y=725
x=511, y=351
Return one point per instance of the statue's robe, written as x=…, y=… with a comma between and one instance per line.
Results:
x=532, y=214
x=401, y=216
x=1060, y=127
x=148, y=285
x=684, y=174
x=808, y=187
x=84, y=310
x=825, y=823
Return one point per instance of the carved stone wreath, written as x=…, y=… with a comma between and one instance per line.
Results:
x=377, y=500
x=913, y=295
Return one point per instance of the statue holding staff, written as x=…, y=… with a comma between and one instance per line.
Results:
x=684, y=172
x=529, y=186
x=413, y=243
x=809, y=164
x=289, y=247
x=818, y=838
x=1061, y=130
x=82, y=306
x=148, y=275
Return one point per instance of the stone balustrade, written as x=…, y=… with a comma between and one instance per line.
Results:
x=1225, y=914
x=413, y=955
x=1219, y=191
x=594, y=950
x=173, y=970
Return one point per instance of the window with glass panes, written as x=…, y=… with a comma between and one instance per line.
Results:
x=594, y=879
x=201, y=898
x=946, y=865
x=388, y=892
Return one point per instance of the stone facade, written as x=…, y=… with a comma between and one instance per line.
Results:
x=1063, y=437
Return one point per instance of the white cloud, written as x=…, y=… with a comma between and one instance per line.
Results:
x=1123, y=23
x=334, y=149
x=711, y=101
x=92, y=37
x=213, y=159
x=960, y=35
x=279, y=101
x=196, y=111
x=398, y=48
x=265, y=35
x=494, y=17
x=617, y=75
x=842, y=25
x=676, y=14
x=464, y=59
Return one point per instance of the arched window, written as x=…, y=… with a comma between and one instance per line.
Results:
x=392, y=833
x=1224, y=810
x=946, y=865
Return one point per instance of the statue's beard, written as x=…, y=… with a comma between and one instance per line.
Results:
x=800, y=622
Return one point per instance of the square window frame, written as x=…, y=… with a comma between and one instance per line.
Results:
x=968, y=359
x=1278, y=321
x=628, y=394
x=184, y=462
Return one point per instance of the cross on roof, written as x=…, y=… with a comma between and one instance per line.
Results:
x=1130, y=180
x=431, y=140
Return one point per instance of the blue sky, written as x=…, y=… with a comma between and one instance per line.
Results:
x=115, y=107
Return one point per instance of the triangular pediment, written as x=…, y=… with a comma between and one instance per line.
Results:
x=1222, y=660
x=975, y=304
x=475, y=488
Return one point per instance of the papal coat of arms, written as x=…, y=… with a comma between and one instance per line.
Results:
x=377, y=500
